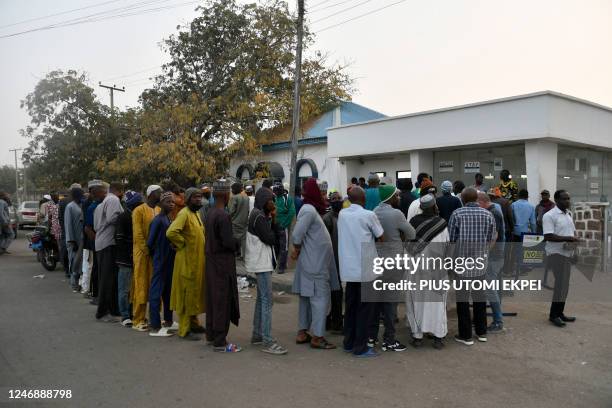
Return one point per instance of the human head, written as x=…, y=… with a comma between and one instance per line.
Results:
x=373, y=180
x=154, y=193
x=469, y=195
x=54, y=196
x=428, y=205
x=264, y=200
x=323, y=186
x=205, y=190
x=494, y=192
x=504, y=175
x=483, y=199
x=249, y=190
x=446, y=187
x=362, y=182
x=221, y=192
x=545, y=194
x=356, y=195
x=76, y=194
x=335, y=201
x=420, y=178
x=166, y=202
x=193, y=198
x=132, y=199
x=427, y=187
x=562, y=199
x=278, y=189
x=458, y=187
x=267, y=183
x=405, y=184
x=478, y=178
x=354, y=180
x=389, y=194
x=117, y=189
x=98, y=192
x=236, y=188
x=523, y=194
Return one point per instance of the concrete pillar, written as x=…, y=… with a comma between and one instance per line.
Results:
x=541, y=165
x=421, y=161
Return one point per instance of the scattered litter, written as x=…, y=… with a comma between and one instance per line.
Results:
x=41, y=276
x=584, y=363
x=281, y=293
x=243, y=284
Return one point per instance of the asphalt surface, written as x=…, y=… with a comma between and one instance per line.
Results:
x=49, y=339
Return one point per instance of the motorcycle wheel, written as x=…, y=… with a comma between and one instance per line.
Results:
x=47, y=259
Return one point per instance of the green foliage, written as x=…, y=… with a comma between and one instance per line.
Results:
x=7, y=179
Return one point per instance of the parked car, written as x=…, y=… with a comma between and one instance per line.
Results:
x=13, y=219
x=27, y=214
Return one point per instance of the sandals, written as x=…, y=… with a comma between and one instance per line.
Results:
x=141, y=327
x=322, y=344
x=303, y=337
x=228, y=348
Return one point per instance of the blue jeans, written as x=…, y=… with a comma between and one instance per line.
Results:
x=123, y=286
x=262, y=319
x=494, y=270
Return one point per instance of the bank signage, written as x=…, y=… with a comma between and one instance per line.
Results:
x=446, y=166
x=471, y=167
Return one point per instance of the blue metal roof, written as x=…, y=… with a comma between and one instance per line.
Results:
x=350, y=112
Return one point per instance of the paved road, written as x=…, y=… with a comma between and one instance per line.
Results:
x=49, y=339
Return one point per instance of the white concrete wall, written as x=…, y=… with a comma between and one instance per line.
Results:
x=541, y=166
x=580, y=123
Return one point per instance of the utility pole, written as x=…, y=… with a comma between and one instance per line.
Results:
x=17, y=175
x=295, y=128
x=112, y=95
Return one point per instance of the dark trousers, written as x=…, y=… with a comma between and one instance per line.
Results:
x=159, y=292
x=108, y=302
x=334, y=319
x=386, y=310
x=94, y=275
x=464, y=316
x=358, y=316
x=64, y=256
x=217, y=333
x=560, y=266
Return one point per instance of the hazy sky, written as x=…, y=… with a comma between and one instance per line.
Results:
x=413, y=56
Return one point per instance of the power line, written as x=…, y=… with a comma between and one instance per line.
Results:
x=59, y=14
x=359, y=16
x=328, y=7
x=133, y=73
x=341, y=11
x=131, y=10
x=319, y=3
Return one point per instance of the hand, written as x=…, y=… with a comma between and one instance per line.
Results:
x=295, y=254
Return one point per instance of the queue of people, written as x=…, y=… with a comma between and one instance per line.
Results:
x=143, y=257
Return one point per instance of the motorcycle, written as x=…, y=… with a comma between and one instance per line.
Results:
x=43, y=243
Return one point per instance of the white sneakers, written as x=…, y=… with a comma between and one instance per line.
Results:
x=163, y=332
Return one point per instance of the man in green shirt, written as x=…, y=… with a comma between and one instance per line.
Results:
x=285, y=212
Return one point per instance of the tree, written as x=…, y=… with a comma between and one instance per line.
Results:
x=71, y=131
x=229, y=79
x=7, y=179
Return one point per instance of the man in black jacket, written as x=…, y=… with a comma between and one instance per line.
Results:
x=124, y=253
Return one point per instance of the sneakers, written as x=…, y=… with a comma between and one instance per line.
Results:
x=256, y=341
x=372, y=342
x=274, y=348
x=367, y=354
x=126, y=322
x=174, y=326
x=416, y=343
x=467, y=342
x=437, y=343
x=163, y=332
x=482, y=338
x=395, y=346
x=496, y=328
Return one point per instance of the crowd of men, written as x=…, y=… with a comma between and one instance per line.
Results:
x=170, y=250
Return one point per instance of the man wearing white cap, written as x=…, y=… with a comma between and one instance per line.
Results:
x=142, y=216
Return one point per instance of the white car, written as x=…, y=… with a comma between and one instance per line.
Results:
x=27, y=214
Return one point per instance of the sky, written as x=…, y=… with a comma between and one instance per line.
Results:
x=411, y=56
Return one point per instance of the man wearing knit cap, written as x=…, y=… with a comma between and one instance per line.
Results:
x=221, y=284
x=426, y=309
x=73, y=226
x=186, y=234
x=207, y=201
x=447, y=203
x=426, y=187
x=397, y=230
x=163, y=264
x=238, y=208
x=142, y=217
